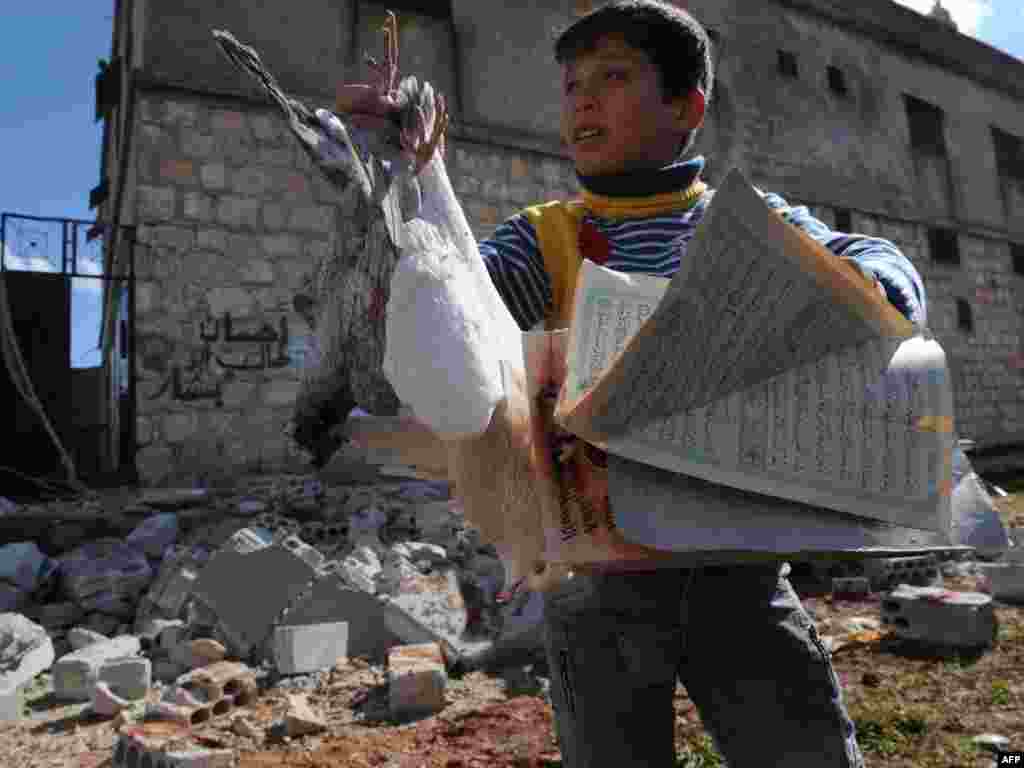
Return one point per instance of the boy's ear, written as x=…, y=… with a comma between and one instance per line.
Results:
x=691, y=110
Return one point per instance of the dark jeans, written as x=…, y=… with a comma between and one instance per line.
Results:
x=739, y=641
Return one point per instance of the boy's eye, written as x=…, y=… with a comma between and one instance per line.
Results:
x=615, y=74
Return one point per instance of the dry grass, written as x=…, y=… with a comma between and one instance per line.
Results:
x=915, y=709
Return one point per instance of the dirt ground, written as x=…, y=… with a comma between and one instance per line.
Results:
x=913, y=709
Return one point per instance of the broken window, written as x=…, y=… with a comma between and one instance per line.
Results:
x=964, y=316
x=944, y=245
x=1017, y=257
x=787, y=64
x=926, y=123
x=1009, y=154
x=837, y=81
x=844, y=220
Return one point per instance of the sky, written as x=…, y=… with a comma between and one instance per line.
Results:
x=50, y=143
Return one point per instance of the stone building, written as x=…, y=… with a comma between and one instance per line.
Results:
x=880, y=119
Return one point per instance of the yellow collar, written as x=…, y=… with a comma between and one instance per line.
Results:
x=639, y=207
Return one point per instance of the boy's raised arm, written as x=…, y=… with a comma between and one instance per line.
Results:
x=874, y=256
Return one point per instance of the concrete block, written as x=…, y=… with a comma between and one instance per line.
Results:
x=248, y=540
x=75, y=675
x=147, y=745
x=224, y=678
x=1005, y=580
x=940, y=617
x=851, y=587
x=154, y=534
x=416, y=680
x=197, y=653
x=230, y=580
x=129, y=677
x=172, y=636
x=12, y=700
x=885, y=573
x=80, y=637
x=20, y=564
x=310, y=647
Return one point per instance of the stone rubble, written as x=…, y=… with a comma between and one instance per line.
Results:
x=940, y=617
x=416, y=680
x=301, y=719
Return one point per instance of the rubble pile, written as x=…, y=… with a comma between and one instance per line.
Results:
x=208, y=598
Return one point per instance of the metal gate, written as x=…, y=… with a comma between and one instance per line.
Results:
x=57, y=290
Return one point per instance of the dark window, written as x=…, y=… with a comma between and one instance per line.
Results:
x=438, y=9
x=1017, y=257
x=1009, y=154
x=787, y=64
x=926, y=126
x=964, y=316
x=837, y=81
x=944, y=246
x=844, y=220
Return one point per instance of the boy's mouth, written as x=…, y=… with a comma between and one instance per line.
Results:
x=584, y=135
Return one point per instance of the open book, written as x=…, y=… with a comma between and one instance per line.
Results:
x=768, y=365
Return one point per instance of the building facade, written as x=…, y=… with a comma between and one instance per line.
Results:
x=881, y=120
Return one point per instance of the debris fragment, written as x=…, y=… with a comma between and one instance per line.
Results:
x=416, y=680
x=301, y=719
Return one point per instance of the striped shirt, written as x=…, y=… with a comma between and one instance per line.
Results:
x=655, y=245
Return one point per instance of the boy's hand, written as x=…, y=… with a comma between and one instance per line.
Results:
x=375, y=107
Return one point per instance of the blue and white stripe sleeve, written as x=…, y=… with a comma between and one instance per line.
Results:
x=517, y=270
x=902, y=282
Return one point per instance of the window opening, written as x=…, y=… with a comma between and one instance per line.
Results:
x=964, y=316
x=944, y=246
x=837, y=81
x=926, y=123
x=787, y=64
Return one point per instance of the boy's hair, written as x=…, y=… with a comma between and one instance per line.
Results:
x=676, y=43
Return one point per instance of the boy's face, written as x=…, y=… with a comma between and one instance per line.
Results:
x=615, y=90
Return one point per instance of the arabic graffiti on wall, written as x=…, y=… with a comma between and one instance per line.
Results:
x=221, y=353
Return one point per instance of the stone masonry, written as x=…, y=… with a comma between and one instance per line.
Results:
x=236, y=222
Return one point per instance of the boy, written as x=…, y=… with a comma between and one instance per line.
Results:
x=636, y=78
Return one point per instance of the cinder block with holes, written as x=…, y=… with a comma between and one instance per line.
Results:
x=885, y=573
x=851, y=587
x=940, y=617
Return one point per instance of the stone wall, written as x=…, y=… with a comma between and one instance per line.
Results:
x=986, y=362
x=235, y=221
x=238, y=219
